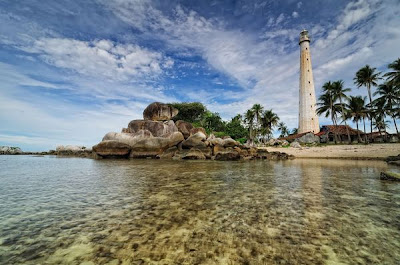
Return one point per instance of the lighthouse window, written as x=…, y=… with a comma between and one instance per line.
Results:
x=306, y=49
x=310, y=94
x=309, y=82
x=307, y=59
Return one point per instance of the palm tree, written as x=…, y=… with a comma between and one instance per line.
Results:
x=269, y=119
x=378, y=112
x=338, y=92
x=283, y=129
x=394, y=76
x=257, y=112
x=327, y=105
x=249, y=119
x=381, y=124
x=356, y=111
x=389, y=100
x=367, y=77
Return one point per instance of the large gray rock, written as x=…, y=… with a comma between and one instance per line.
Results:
x=194, y=140
x=155, y=146
x=295, y=145
x=207, y=151
x=70, y=148
x=229, y=142
x=169, y=128
x=159, y=112
x=215, y=141
x=111, y=148
x=198, y=129
x=128, y=138
x=184, y=127
x=157, y=128
x=308, y=138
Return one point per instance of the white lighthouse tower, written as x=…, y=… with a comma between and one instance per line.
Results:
x=308, y=119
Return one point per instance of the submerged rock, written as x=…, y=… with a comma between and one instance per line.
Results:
x=194, y=154
x=393, y=158
x=227, y=154
x=159, y=112
x=390, y=176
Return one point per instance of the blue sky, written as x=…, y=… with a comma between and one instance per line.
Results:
x=71, y=71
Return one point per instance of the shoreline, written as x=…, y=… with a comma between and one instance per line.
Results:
x=353, y=152
x=378, y=152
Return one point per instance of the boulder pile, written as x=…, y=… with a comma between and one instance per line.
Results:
x=72, y=150
x=158, y=136
x=10, y=150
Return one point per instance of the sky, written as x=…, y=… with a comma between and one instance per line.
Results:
x=71, y=71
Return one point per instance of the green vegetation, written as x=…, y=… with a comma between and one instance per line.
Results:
x=191, y=112
x=334, y=102
x=257, y=124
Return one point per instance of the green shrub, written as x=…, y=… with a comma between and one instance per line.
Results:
x=220, y=134
x=242, y=140
x=189, y=111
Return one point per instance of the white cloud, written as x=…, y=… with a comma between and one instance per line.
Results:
x=267, y=67
x=102, y=58
x=295, y=14
x=280, y=18
x=299, y=4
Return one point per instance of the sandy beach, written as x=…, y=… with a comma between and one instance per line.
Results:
x=371, y=151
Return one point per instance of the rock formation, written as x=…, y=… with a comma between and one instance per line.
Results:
x=159, y=112
x=10, y=150
x=157, y=136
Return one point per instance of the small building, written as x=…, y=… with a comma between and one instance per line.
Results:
x=381, y=137
x=327, y=134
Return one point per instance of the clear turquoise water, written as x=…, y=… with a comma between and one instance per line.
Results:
x=82, y=211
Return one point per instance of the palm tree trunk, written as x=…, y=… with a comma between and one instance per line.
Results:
x=380, y=133
x=251, y=134
x=395, y=125
x=365, y=132
x=339, y=136
x=358, y=132
x=347, y=128
x=370, y=105
x=333, y=121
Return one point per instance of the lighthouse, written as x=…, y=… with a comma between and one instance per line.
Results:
x=308, y=119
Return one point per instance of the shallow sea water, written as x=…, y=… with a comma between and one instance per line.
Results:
x=82, y=211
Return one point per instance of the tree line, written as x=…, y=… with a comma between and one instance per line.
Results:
x=256, y=124
x=336, y=104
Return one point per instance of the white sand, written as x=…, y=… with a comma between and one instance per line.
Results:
x=371, y=151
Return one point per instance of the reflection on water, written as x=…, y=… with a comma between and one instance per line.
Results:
x=82, y=211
